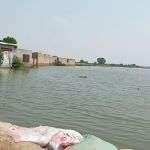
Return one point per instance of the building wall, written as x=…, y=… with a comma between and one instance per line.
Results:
x=43, y=59
x=71, y=62
x=63, y=60
x=21, y=53
x=52, y=60
x=40, y=59
x=8, y=51
x=8, y=57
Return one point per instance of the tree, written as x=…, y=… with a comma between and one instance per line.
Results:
x=9, y=39
x=101, y=61
x=1, y=57
x=16, y=63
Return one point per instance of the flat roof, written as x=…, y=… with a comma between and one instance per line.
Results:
x=10, y=44
x=27, y=50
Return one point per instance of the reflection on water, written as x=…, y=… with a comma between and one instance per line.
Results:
x=4, y=71
x=112, y=103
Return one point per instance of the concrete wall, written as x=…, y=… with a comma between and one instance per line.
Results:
x=52, y=60
x=67, y=62
x=63, y=60
x=43, y=59
x=71, y=62
x=8, y=57
x=40, y=59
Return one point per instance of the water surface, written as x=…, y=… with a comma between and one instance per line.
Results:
x=111, y=103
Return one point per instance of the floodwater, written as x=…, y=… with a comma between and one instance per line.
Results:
x=111, y=103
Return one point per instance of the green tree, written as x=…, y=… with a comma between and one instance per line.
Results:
x=101, y=61
x=9, y=39
x=16, y=63
x=1, y=57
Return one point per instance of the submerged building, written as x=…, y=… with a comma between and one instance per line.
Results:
x=8, y=51
x=71, y=62
x=64, y=61
x=53, y=60
x=40, y=59
x=25, y=56
x=31, y=59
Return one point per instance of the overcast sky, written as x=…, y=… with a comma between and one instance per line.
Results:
x=118, y=30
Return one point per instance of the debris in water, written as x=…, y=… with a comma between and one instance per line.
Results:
x=82, y=76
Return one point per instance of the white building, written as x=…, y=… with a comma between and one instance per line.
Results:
x=8, y=51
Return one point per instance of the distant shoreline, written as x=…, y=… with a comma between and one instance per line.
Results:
x=113, y=65
x=83, y=64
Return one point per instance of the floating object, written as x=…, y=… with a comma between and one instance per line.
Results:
x=82, y=76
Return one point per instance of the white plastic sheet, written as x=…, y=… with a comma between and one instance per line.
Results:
x=45, y=136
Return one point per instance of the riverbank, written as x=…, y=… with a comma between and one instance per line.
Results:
x=81, y=65
x=8, y=143
x=10, y=133
x=113, y=65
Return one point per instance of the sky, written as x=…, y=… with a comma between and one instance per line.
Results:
x=118, y=30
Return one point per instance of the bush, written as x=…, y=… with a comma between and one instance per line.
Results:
x=16, y=63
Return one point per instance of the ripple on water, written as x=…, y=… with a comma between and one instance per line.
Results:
x=112, y=103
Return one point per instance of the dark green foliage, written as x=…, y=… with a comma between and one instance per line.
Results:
x=9, y=39
x=16, y=63
x=83, y=61
x=1, y=57
x=101, y=61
